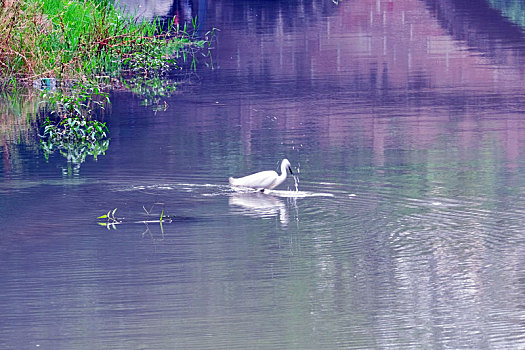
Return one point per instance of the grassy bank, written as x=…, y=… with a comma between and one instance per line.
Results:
x=81, y=40
x=83, y=47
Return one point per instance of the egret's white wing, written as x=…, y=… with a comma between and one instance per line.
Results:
x=263, y=179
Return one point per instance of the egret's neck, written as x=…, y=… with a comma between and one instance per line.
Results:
x=284, y=171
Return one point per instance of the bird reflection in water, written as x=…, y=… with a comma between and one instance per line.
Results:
x=259, y=204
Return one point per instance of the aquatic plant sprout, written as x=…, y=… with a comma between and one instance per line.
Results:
x=110, y=221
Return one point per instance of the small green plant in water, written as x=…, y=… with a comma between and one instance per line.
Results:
x=111, y=220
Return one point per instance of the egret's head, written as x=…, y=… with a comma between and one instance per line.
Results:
x=286, y=165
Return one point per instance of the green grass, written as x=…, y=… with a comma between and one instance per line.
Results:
x=81, y=40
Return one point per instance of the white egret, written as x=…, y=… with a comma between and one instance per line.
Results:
x=262, y=180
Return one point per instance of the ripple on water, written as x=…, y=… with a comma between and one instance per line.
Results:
x=457, y=222
x=452, y=262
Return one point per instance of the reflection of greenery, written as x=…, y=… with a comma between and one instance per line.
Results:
x=75, y=138
x=74, y=135
x=18, y=131
x=18, y=111
x=512, y=9
x=80, y=101
x=68, y=128
x=149, y=69
x=152, y=90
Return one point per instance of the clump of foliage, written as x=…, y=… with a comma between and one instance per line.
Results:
x=147, y=73
x=75, y=138
x=81, y=40
x=72, y=133
x=80, y=101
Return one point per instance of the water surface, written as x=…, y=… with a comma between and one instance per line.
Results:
x=404, y=123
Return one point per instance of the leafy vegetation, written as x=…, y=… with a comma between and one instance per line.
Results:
x=84, y=40
x=75, y=138
x=73, y=50
x=71, y=132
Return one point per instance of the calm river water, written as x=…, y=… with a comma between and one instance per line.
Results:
x=405, y=122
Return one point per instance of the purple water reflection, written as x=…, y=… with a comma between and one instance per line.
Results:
x=409, y=113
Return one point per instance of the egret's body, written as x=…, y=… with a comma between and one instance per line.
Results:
x=268, y=179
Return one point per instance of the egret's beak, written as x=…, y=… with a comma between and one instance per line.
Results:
x=290, y=169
